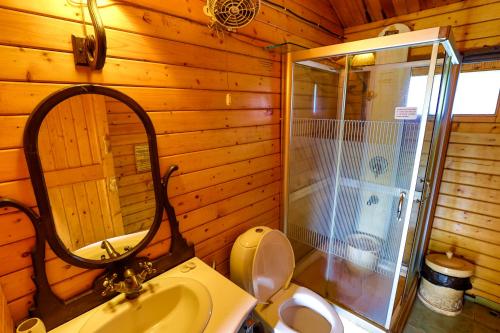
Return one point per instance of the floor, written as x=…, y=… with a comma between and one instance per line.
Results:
x=474, y=318
x=365, y=293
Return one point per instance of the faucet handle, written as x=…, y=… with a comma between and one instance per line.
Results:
x=109, y=285
x=147, y=269
x=147, y=266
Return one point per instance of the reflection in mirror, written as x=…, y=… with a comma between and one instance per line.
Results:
x=95, y=158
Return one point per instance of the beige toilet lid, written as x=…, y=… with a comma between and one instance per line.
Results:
x=273, y=265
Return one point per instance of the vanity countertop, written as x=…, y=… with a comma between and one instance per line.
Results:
x=231, y=304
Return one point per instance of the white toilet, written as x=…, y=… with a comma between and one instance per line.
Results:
x=262, y=263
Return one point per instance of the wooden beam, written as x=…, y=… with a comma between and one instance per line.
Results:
x=73, y=175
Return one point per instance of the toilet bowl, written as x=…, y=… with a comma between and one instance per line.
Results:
x=262, y=263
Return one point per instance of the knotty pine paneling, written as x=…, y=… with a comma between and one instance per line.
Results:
x=356, y=12
x=6, y=323
x=164, y=56
x=467, y=218
x=135, y=188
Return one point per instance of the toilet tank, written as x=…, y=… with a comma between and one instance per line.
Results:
x=242, y=255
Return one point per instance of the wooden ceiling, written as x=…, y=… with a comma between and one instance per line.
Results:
x=356, y=12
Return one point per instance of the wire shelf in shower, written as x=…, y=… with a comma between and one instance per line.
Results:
x=333, y=199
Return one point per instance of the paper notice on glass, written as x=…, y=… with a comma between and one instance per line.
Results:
x=405, y=113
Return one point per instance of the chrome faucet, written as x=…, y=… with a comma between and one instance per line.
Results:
x=132, y=282
x=112, y=253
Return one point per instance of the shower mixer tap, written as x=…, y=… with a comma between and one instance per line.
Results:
x=373, y=200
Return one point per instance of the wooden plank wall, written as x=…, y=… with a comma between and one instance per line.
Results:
x=6, y=323
x=475, y=23
x=135, y=187
x=467, y=218
x=305, y=79
x=357, y=12
x=76, y=162
x=163, y=55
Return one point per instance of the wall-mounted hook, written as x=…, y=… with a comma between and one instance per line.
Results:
x=91, y=50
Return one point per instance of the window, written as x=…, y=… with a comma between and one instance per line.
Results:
x=416, y=92
x=477, y=92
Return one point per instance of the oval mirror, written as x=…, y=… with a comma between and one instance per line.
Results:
x=97, y=155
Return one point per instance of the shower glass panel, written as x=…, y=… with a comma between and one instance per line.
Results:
x=317, y=94
x=353, y=149
x=413, y=252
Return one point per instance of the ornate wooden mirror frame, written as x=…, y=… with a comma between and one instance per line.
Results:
x=47, y=305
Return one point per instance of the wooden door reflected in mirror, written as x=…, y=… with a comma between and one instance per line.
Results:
x=96, y=162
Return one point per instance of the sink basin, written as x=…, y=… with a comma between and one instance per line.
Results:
x=176, y=305
x=191, y=297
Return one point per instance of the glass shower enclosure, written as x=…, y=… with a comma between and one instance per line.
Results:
x=361, y=138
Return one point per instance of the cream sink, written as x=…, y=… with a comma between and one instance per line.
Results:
x=180, y=305
x=191, y=297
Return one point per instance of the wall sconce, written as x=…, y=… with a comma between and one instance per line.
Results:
x=91, y=50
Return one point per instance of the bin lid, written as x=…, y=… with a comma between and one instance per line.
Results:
x=449, y=265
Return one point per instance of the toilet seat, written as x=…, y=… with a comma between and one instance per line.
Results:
x=262, y=262
x=307, y=298
x=272, y=313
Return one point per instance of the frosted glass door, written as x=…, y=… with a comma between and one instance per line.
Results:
x=352, y=164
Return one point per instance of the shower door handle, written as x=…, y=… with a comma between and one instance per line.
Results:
x=402, y=197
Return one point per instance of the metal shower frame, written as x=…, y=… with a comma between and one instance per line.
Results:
x=428, y=37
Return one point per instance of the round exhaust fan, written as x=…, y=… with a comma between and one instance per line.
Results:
x=232, y=14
